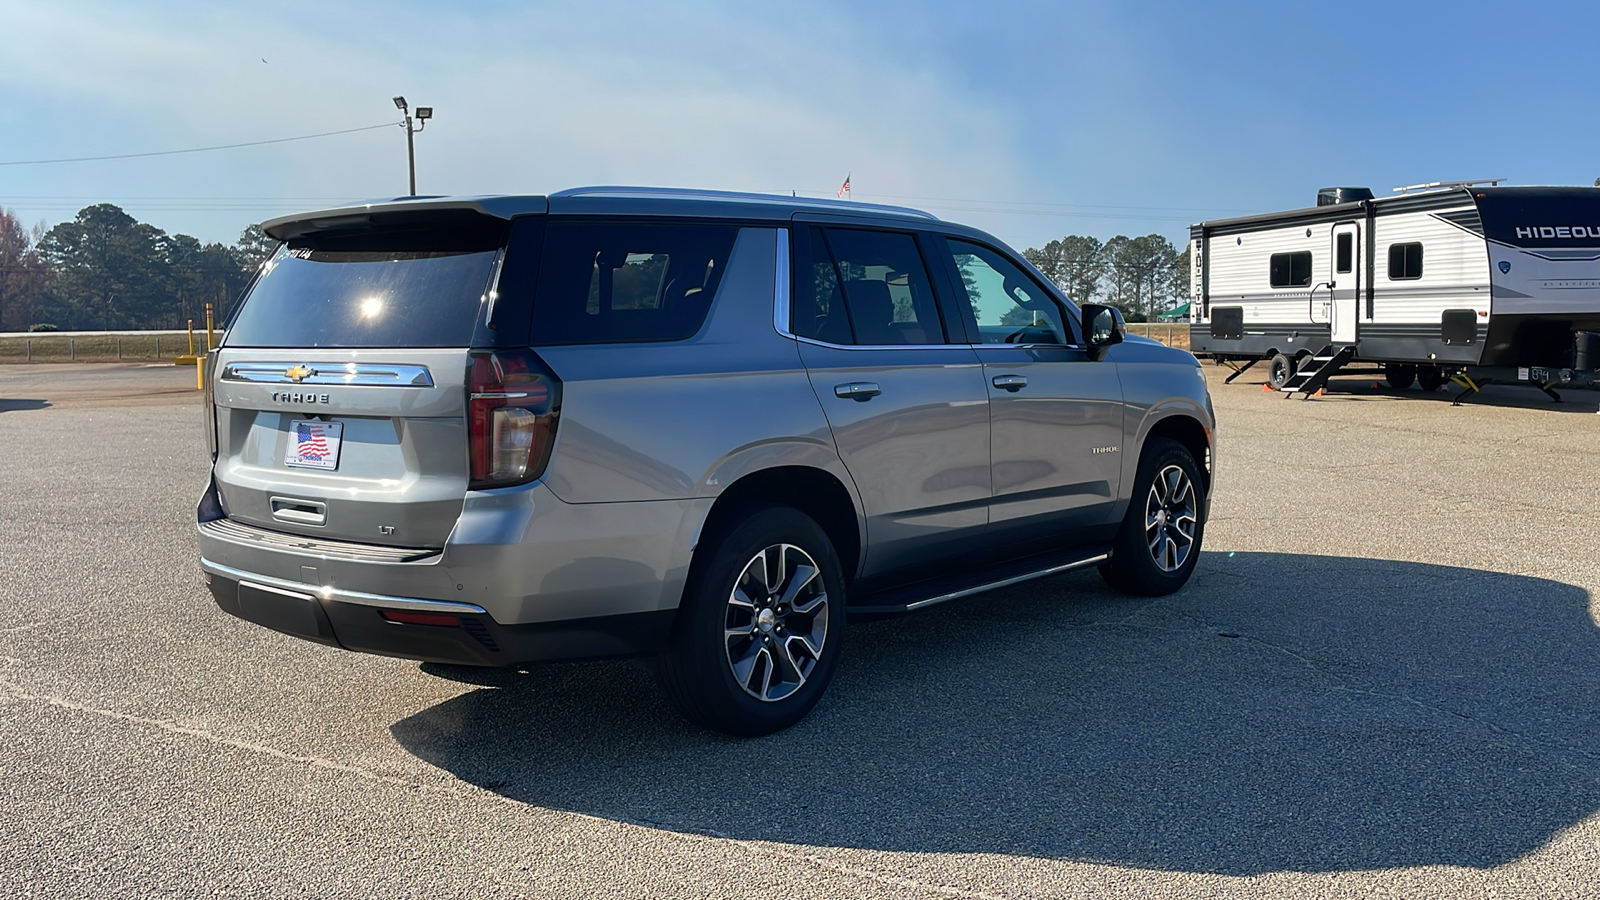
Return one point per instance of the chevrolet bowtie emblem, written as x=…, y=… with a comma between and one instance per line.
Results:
x=300, y=373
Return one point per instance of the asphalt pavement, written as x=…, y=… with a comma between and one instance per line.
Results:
x=1384, y=680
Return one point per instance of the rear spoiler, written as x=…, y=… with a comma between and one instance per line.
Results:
x=403, y=211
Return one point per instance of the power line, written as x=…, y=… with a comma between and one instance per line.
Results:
x=987, y=202
x=303, y=137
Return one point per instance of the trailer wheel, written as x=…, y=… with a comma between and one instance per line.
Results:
x=1399, y=375
x=1431, y=377
x=1280, y=370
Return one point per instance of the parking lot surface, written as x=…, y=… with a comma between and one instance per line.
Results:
x=1383, y=681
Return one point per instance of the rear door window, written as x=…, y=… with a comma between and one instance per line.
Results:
x=628, y=282
x=415, y=288
x=866, y=288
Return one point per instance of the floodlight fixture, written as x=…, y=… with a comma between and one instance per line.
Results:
x=415, y=122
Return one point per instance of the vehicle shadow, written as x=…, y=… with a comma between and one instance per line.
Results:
x=1284, y=713
x=10, y=405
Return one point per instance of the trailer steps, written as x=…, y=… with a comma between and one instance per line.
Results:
x=1315, y=370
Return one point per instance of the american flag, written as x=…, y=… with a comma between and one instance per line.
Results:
x=844, y=188
x=310, y=441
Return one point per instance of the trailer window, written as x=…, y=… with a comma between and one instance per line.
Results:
x=1345, y=253
x=1291, y=269
x=1405, y=261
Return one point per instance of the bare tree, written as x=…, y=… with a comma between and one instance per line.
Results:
x=24, y=275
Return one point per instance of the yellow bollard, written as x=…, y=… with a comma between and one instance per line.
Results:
x=191, y=337
x=210, y=345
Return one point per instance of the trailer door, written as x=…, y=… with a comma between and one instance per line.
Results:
x=1346, y=289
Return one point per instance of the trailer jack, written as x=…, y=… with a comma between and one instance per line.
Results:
x=1469, y=387
x=1472, y=386
x=1237, y=369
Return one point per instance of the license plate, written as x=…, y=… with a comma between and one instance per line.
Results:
x=313, y=444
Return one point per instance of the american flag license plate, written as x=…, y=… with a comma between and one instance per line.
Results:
x=314, y=445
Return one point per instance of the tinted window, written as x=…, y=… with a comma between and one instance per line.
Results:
x=1345, y=253
x=402, y=289
x=1010, y=307
x=1405, y=261
x=877, y=280
x=625, y=283
x=1291, y=269
x=818, y=308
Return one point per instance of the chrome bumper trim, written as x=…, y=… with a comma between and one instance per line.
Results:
x=343, y=596
x=365, y=374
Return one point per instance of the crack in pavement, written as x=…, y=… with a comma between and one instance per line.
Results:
x=14, y=692
x=1345, y=683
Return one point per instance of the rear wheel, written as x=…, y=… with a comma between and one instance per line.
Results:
x=760, y=627
x=1399, y=375
x=1281, y=368
x=1159, y=541
x=1431, y=377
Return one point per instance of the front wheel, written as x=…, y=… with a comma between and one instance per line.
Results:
x=760, y=626
x=1159, y=542
x=1431, y=377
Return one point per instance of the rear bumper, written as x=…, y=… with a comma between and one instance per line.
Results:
x=519, y=556
x=356, y=621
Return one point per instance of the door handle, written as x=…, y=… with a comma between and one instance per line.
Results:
x=856, y=390
x=1012, y=383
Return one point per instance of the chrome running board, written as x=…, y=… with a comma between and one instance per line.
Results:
x=912, y=597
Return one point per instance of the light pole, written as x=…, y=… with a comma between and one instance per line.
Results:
x=424, y=113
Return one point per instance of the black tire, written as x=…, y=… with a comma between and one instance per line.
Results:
x=1133, y=568
x=1399, y=375
x=697, y=668
x=1431, y=378
x=1280, y=369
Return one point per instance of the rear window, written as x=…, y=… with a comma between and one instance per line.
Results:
x=401, y=289
x=627, y=282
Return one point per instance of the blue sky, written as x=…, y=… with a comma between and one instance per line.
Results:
x=1029, y=120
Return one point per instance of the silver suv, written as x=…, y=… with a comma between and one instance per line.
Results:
x=699, y=426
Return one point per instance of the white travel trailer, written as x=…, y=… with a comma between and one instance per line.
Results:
x=1459, y=281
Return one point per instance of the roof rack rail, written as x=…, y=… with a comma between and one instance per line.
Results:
x=1447, y=185
x=636, y=193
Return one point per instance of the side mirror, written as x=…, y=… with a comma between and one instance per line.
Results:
x=1103, y=325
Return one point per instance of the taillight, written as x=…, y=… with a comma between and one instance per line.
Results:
x=512, y=405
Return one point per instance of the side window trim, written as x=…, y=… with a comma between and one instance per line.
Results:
x=783, y=283
x=1069, y=311
x=956, y=313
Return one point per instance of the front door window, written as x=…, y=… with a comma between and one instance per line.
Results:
x=1011, y=308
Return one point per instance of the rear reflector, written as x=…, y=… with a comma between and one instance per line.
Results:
x=419, y=618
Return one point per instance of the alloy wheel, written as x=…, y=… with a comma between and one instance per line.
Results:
x=776, y=622
x=1170, y=517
